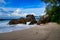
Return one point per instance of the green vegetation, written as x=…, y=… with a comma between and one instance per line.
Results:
x=53, y=9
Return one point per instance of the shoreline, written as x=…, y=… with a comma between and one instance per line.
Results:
x=17, y=27
x=50, y=31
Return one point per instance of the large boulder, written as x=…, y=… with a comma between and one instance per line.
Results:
x=33, y=22
x=31, y=18
x=44, y=19
x=13, y=21
x=47, y=18
x=22, y=20
x=41, y=20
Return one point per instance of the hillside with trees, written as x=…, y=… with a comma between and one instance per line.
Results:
x=53, y=9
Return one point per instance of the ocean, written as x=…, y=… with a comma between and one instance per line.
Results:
x=5, y=27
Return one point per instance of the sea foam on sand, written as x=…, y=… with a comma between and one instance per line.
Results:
x=4, y=27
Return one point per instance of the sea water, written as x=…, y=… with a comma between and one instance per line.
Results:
x=5, y=27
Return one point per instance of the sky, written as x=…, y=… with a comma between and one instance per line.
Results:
x=19, y=8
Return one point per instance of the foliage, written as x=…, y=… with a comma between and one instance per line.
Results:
x=53, y=9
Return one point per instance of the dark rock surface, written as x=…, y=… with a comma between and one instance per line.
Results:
x=44, y=19
x=13, y=21
x=31, y=18
x=22, y=20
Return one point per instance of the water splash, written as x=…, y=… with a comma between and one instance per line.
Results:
x=4, y=27
x=28, y=23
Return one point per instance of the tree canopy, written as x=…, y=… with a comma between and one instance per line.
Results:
x=53, y=9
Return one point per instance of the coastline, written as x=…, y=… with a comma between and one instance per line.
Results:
x=50, y=31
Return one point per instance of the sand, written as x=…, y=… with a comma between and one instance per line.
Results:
x=50, y=31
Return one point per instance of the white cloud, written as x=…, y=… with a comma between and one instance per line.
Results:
x=8, y=9
x=35, y=11
x=0, y=14
x=2, y=1
x=21, y=13
x=18, y=12
x=29, y=13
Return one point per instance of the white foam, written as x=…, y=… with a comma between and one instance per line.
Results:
x=4, y=27
x=28, y=23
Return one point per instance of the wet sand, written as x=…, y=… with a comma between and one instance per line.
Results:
x=50, y=31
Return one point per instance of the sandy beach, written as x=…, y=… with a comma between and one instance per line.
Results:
x=50, y=31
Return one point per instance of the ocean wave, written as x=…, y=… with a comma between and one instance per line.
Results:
x=5, y=27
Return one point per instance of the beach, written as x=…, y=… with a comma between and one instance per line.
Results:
x=49, y=31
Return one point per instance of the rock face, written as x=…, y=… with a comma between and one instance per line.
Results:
x=44, y=19
x=31, y=18
x=41, y=20
x=33, y=22
x=13, y=21
x=22, y=20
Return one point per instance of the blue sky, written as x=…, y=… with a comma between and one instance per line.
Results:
x=16, y=8
x=23, y=3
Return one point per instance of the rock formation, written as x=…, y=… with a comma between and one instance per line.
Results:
x=13, y=21
x=31, y=19
x=22, y=20
x=44, y=19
